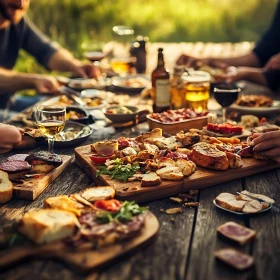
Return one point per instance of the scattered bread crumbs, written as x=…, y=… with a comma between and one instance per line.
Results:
x=172, y=211
x=186, y=197
x=176, y=199
x=172, y=220
x=191, y=204
x=161, y=210
x=193, y=192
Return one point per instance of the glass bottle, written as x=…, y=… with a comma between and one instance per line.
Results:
x=177, y=88
x=160, y=85
x=138, y=50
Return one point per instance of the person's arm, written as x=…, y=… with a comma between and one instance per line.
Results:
x=11, y=136
x=51, y=55
x=249, y=60
x=11, y=81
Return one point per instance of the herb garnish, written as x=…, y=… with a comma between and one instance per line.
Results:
x=125, y=214
x=119, y=171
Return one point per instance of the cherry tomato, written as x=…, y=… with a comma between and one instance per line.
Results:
x=112, y=205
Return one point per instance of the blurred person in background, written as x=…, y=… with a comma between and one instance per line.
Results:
x=18, y=32
x=261, y=66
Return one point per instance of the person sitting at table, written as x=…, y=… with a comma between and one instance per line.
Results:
x=267, y=144
x=18, y=32
x=261, y=66
x=11, y=136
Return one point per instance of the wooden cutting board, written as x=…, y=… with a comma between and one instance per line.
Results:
x=202, y=178
x=29, y=189
x=82, y=260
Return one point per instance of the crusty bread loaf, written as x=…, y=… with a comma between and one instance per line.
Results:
x=47, y=225
x=150, y=179
x=236, y=232
x=228, y=201
x=63, y=202
x=6, y=187
x=98, y=193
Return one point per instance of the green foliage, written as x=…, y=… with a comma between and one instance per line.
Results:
x=74, y=23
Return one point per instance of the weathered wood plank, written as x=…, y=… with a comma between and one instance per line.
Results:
x=266, y=248
x=202, y=264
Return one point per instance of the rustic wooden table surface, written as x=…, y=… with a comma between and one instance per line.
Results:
x=185, y=246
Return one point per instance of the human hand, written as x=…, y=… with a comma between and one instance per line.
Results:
x=11, y=137
x=267, y=144
x=273, y=63
x=85, y=70
x=239, y=73
x=46, y=84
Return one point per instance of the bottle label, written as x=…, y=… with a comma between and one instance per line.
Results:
x=162, y=92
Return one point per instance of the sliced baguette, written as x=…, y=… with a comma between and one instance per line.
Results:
x=98, y=193
x=6, y=187
x=236, y=232
x=150, y=179
x=170, y=173
x=46, y=225
x=228, y=201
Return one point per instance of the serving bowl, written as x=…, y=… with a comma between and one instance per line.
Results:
x=126, y=117
x=78, y=114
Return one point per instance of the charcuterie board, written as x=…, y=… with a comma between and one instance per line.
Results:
x=85, y=259
x=202, y=178
x=29, y=189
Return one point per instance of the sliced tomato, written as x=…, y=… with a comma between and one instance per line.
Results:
x=112, y=205
x=99, y=159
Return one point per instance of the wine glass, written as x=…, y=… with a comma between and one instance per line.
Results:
x=51, y=121
x=225, y=95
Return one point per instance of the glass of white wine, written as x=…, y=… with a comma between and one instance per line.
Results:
x=51, y=121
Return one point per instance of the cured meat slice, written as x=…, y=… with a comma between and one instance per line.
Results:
x=236, y=232
x=16, y=169
x=235, y=258
x=21, y=157
x=207, y=155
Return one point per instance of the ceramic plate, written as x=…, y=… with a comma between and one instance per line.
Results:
x=131, y=82
x=240, y=213
x=274, y=108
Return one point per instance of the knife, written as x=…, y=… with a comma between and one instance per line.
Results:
x=260, y=200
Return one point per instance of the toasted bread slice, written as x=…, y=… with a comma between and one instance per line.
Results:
x=228, y=201
x=166, y=162
x=63, y=202
x=98, y=193
x=187, y=167
x=234, y=258
x=236, y=232
x=42, y=168
x=155, y=133
x=170, y=173
x=150, y=179
x=169, y=143
x=252, y=206
x=6, y=187
x=47, y=225
x=260, y=196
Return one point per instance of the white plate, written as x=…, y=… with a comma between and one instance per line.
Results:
x=274, y=108
x=55, y=100
x=131, y=82
x=240, y=213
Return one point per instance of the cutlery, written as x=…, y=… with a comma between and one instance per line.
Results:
x=73, y=94
x=260, y=200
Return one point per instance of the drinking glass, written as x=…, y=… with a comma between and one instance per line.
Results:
x=225, y=95
x=50, y=120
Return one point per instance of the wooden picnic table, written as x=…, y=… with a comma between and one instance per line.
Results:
x=186, y=242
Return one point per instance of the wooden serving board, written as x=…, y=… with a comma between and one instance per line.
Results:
x=31, y=188
x=86, y=259
x=202, y=178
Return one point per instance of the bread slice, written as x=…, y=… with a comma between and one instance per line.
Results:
x=236, y=232
x=6, y=187
x=63, y=202
x=155, y=133
x=260, y=196
x=187, y=167
x=46, y=225
x=234, y=258
x=252, y=206
x=150, y=179
x=166, y=162
x=170, y=173
x=228, y=201
x=98, y=193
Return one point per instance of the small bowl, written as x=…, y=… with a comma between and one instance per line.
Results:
x=87, y=119
x=122, y=118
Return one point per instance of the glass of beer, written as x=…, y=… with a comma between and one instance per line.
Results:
x=50, y=121
x=122, y=65
x=197, y=90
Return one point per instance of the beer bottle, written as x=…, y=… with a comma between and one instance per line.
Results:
x=160, y=85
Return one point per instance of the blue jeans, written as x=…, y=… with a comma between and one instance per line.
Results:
x=22, y=102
